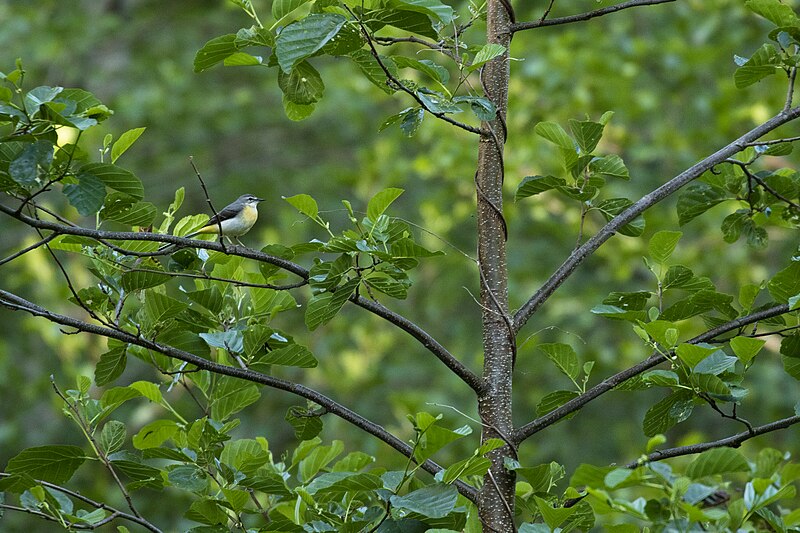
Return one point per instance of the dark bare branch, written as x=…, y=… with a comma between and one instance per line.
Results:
x=734, y=441
x=584, y=16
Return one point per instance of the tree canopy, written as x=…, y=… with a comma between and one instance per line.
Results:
x=519, y=267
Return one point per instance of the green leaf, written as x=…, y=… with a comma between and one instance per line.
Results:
x=302, y=85
x=372, y=69
x=717, y=461
x=553, y=516
x=587, y=134
x=306, y=424
x=786, y=283
x=155, y=434
x=116, y=178
x=87, y=196
x=564, y=358
x=412, y=21
x=341, y=483
x=242, y=59
x=111, y=365
x=188, y=477
x=381, y=201
x=671, y=410
x=661, y=378
x=662, y=244
x=532, y=185
x=122, y=208
x=555, y=134
x=207, y=512
x=619, y=313
x=554, y=400
x=159, y=307
x=297, y=112
x=281, y=8
x=765, y=62
x=614, y=206
x=691, y=354
x=697, y=199
x=433, y=501
x=433, y=70
x=36, y=156
x=54, y=463
x=443, y=13
x=773, y=10
x=611, y=166
x=712, y=385
x=746, y=348
x=305, y=204
x=215, y=51
x=319, y=458
x=231, y=395
x=124, y=142
x=323, y=307
x=303, y=38
x=139, y=280
x=113, y=436
x=292, y=355
x=486, y=54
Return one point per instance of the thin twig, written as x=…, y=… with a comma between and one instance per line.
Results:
x=774, y=141
x=208, y=199
x=734, y=441
x=398, y=84
x=752, y=176
x=577, y=257
x=28, y=249
x=584, y=16
x=87, y=432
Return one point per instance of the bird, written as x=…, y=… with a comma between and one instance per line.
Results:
x=234, y=219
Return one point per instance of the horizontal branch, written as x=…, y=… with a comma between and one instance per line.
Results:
x=13, y=301
x=734, y=441
x=115, y=513
x=425, y=338
x=617, y=379
x=606, y=232
x=584, y=16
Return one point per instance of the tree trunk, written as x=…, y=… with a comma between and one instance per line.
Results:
x=496, y=507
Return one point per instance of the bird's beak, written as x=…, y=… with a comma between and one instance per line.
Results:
x=259, y=199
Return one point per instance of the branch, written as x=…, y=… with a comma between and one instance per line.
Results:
x=403, y=323
x=734, y=441
x=115, y=513
x=614, y=381
x=647, y=201
x=398, y=84
x=29, y=248
x=584, y=16
x=13, y=301
x=431, y=344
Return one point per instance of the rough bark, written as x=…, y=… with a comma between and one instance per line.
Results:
x=496, y=505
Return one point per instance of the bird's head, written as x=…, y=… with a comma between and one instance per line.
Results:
x=249, y=199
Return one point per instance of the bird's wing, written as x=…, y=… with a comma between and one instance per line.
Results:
x=226, y=213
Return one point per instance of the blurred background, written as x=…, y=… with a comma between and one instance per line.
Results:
x=666, y=72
